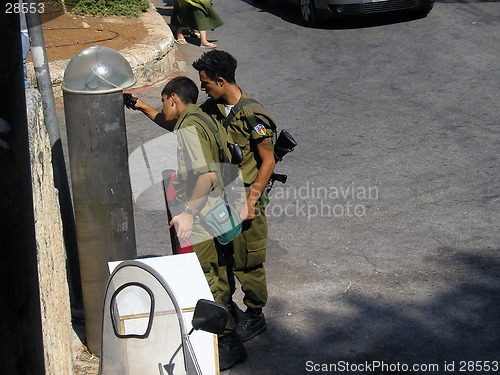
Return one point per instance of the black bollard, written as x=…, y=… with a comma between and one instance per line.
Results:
x=102, y=196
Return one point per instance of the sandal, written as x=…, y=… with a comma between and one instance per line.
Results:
x=194, y=33
x=180, y=41
x=209, y=45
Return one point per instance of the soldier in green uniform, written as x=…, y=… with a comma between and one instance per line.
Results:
x=249, y=125
x=197, y=182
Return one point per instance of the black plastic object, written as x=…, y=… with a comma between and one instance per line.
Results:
x=113, y=307
x=279, y=177
x=236, y=154
x=129, y=100
x=210, y=316
x=284, y=144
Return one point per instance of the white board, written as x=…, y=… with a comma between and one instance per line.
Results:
x=185, y=277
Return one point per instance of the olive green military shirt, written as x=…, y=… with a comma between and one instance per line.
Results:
x=242, y=132
x=197, y=154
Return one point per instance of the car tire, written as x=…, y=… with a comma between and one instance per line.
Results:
x=308, y=12
x=423, y=12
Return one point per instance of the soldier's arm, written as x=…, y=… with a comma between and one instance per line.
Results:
x=153, y=114
x=266, y=153
x=184, y=221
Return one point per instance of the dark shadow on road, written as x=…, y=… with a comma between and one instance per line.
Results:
x=467, y=1
x=291, y=14
x=165, y=10
x=457, y=321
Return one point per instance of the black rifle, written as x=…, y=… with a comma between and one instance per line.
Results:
x=284, y=144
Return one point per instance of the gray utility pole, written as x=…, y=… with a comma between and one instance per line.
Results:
x=44, y=83
x=21, y=346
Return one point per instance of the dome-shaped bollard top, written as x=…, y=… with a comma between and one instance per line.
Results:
x=97, y=70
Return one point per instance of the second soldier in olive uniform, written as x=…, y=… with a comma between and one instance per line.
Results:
x=249, y=125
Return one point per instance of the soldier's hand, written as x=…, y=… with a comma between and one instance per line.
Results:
x=247, y=212
x=130, y=100
x=184, y=225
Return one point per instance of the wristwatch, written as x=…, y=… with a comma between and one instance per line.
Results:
x=190, y=211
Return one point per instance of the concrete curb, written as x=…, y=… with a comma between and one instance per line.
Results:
x=151, y=60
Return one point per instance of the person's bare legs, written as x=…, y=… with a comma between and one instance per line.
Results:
x=179, y=37
x=203, y=40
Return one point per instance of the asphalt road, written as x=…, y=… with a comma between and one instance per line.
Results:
x=384, y=244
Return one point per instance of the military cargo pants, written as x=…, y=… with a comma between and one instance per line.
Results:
x=247, y=263
x=209, y=254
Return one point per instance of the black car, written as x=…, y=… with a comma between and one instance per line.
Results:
x=312, y=10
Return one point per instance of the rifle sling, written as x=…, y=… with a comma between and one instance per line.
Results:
x=222, y=156
x=237, y=108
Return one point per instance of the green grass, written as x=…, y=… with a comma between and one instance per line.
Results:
x=128, y=8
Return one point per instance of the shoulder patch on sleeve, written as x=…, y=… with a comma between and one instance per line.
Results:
x=260, y=129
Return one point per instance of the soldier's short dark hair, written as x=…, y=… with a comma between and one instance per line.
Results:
x=215, y=64
x=184, y=87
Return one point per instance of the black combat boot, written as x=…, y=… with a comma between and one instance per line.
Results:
x=235, y=311
x=231, y=351
x=251, y=324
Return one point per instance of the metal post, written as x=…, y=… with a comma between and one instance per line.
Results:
x=97, y=143
x=21, y=346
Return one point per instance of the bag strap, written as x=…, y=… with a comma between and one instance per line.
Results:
x=222, y=155
x=237, y=108
x=210, y=123
x=252, y=122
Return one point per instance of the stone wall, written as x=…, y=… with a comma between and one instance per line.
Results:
x=54, y=293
